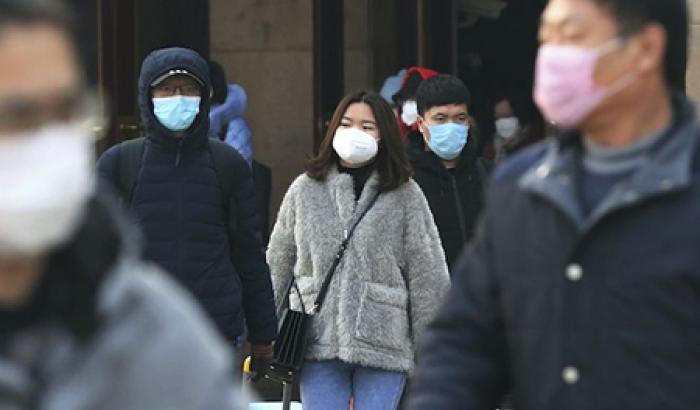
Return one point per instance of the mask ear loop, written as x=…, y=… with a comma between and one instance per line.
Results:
x=628, y=79
x=610, y=46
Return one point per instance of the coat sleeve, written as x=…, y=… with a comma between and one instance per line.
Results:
x=169, y=355
x=425, y=268
x=282, y=249
x=249, y=258
x=108, y=169
x=462, y=363
x=240, y=138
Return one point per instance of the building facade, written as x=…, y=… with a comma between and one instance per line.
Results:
x=297, y=58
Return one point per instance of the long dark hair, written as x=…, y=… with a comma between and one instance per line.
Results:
x=391, y=161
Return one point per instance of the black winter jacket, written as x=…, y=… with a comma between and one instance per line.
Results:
x=574, y=311
x=179, y=204
x=455, y=199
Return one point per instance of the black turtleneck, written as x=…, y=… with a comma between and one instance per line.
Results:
x=359, y=177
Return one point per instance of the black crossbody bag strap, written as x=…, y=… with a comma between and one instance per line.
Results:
x=338, y=257
x=290, y=347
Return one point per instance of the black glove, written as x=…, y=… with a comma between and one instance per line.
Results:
x=260, y=360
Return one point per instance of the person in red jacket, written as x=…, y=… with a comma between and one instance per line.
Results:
x=405, y=98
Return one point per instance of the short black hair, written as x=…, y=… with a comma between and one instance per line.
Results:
x=442, y=89
x=218, y=82
x=52, y=12
x=672, y=15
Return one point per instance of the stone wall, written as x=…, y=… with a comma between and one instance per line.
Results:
x=358, y=52
x=266, y=46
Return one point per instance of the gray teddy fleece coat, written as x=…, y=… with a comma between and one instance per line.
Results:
x=387, y=287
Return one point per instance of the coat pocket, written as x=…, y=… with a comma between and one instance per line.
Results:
x=382, y=319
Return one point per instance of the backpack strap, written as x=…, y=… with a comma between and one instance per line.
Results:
x=224, y=173
x=225, y=176
x=130, y=157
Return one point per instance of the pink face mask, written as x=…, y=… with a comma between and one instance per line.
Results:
x=565, y=88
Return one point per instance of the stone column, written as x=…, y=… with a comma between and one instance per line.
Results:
x=266, y=46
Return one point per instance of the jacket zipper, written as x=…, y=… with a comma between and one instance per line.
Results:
x=460, y=211
x=179, y=151
x=180, y=199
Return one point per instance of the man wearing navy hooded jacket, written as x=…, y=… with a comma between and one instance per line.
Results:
x=211, y=244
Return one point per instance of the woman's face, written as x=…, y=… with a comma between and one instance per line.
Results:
x=359, y=115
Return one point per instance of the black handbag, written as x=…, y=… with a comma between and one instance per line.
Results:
x=290, y=345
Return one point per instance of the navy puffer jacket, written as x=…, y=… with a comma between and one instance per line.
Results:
x=179, y=204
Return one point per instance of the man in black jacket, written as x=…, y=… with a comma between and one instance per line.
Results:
x=582, y=288
x=194, y=199
x=443, y=154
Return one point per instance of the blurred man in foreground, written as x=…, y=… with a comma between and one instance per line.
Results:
x=84, y=324
x=582, y=289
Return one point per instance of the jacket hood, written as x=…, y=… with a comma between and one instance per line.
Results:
x=391, y=86
x=409, y=85
x=234, y=106
x=423, y=72
x=411, y=80
x=155, y=65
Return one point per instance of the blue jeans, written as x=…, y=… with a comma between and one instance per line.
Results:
x=329, y=385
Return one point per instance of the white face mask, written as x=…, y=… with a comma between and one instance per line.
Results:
x=409, y=113
x=354, y=146
x=507, y=127
x=46, y=178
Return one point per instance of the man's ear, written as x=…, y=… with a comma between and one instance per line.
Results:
x=652, y=46
x=423, y=128
x=421, y=124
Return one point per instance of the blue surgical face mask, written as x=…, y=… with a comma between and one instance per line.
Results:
x=176, y=113
x=448, y=140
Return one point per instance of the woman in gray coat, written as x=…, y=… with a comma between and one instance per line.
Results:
x=393, y=274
